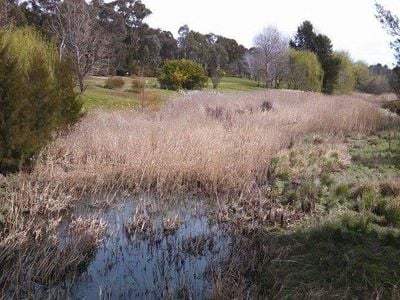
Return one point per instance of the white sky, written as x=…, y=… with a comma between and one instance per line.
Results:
x=350, y=24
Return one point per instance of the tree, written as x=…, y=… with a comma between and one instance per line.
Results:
x=279, y=68
x=235, y=53
x=392, y=25
x=80, y=36
x=361, y=75
x=169, y=46
x=307, y=39
x=271, y=44
x=36, y=97
x=149, y=51
x=253, y=60
x=217, y=55
x=304, y=71
x=304, y=38
x=346, y=78
x=3, y=13
x=216, y=77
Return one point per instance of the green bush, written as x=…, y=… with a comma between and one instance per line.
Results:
x=305, y=72
x=114, y=83
x=37, y=96
x=182, y=74
x=137, y=85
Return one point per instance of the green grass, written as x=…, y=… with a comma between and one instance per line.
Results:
x=234, y=84
x=374, y=158
x=349, y=246
x=96, y=96
x=345, y=258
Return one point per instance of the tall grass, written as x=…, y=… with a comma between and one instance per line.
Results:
x=202, y=142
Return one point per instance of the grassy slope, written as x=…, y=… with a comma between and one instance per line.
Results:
x=233, y=84
x=352, y=252
x=96, y=96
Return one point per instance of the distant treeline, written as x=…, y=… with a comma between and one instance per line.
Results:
x=117, y=41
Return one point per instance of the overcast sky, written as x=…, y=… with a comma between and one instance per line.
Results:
x=350, y=24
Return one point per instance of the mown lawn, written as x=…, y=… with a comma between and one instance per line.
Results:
x=96, y=96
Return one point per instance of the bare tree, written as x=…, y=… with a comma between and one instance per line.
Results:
x=3, y=13
x=278, y=69
x=271, y=44
x=80, y=36
x=253, y=61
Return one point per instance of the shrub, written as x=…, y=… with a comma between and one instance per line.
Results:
x=305, y=72
x=137, y=85
x=216, y=77
x=114, y=83
x=266, y=106
x=182, y=74
x=36, y=96
x=377, y=85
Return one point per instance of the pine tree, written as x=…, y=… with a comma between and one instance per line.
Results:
x=37, y=97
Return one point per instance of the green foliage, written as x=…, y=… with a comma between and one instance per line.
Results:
x=36, y=96
x=307, y=39
x=305, y=72
x=182, y=74
x=331, y=66
x=361, y=75
x=114, y=83
x=216, y=77
x=346, y=78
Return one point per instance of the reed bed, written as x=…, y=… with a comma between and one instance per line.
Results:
x=203, y=142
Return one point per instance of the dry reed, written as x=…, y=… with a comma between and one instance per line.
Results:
x=201, y=142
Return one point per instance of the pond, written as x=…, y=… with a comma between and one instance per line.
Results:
x=178, y=255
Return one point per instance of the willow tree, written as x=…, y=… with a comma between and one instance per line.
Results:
x=304, y=71
x=346, y=78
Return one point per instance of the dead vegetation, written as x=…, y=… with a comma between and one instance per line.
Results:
x=218, y=146
x=205, y=143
